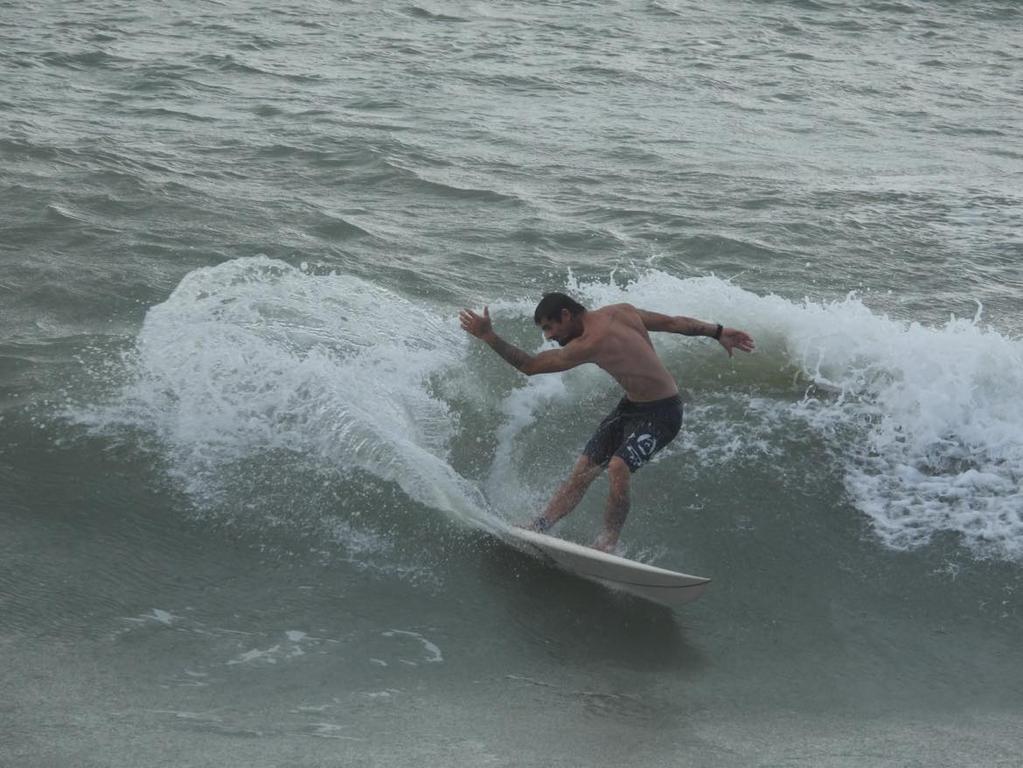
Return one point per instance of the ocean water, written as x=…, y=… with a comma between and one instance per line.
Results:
x=249, y=460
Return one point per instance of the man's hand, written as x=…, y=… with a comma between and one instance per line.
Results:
x=732, y=338
x=479, y=327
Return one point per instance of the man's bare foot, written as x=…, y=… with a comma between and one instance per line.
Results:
x=537, y=525
x=605, y=543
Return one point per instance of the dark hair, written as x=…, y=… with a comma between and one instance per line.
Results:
x=551, y=304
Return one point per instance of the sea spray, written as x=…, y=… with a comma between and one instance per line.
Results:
x=254, y=356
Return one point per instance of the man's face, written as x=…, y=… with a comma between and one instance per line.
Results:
x=561, y=330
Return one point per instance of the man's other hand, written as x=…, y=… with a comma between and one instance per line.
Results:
x=732, y=338
x=474, y=324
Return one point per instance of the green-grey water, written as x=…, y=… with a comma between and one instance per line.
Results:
x=248, y=459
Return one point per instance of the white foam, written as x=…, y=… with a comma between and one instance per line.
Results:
x=253, y=356
x=161, y=616
x=519, y=409
x=940, y=422
x=330, y=731
x=268, y=656
x=388, y=693
x=433, y=654
x=927, y=422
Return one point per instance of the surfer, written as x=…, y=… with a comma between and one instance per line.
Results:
x=616, y=338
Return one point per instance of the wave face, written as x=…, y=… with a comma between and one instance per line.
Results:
x=255, y=359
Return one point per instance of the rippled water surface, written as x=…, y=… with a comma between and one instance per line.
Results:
x=248, y=459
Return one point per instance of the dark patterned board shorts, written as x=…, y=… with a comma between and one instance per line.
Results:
x=635, y=431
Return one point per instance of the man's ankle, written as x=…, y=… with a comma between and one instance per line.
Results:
x=541, y=524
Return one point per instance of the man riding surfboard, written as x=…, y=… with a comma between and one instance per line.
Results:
x=616, y=338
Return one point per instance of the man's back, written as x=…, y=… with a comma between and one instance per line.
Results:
x=618, y=342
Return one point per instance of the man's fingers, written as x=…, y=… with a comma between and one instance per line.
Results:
x=740, y=340
x=735, y=339
x=471, y=322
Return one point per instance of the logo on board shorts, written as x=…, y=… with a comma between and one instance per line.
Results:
x=641, y=447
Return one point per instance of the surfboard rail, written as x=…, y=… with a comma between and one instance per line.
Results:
x=650, y=582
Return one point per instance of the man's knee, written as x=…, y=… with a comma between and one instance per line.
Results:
x=619, y=474
x=584, y=464
x=585, y=470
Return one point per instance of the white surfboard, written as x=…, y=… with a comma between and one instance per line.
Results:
x=647, y=581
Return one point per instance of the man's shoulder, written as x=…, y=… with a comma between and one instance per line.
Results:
x=624, y=314
x=606, y=324
x=611, y=311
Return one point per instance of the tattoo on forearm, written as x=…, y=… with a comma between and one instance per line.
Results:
x=511, y=354
x=687, y=326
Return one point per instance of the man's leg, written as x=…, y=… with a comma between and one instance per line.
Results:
x=617, y=504
x=569, y=494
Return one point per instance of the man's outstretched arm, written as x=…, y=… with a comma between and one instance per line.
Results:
x=729, y=338
x=548, y=361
